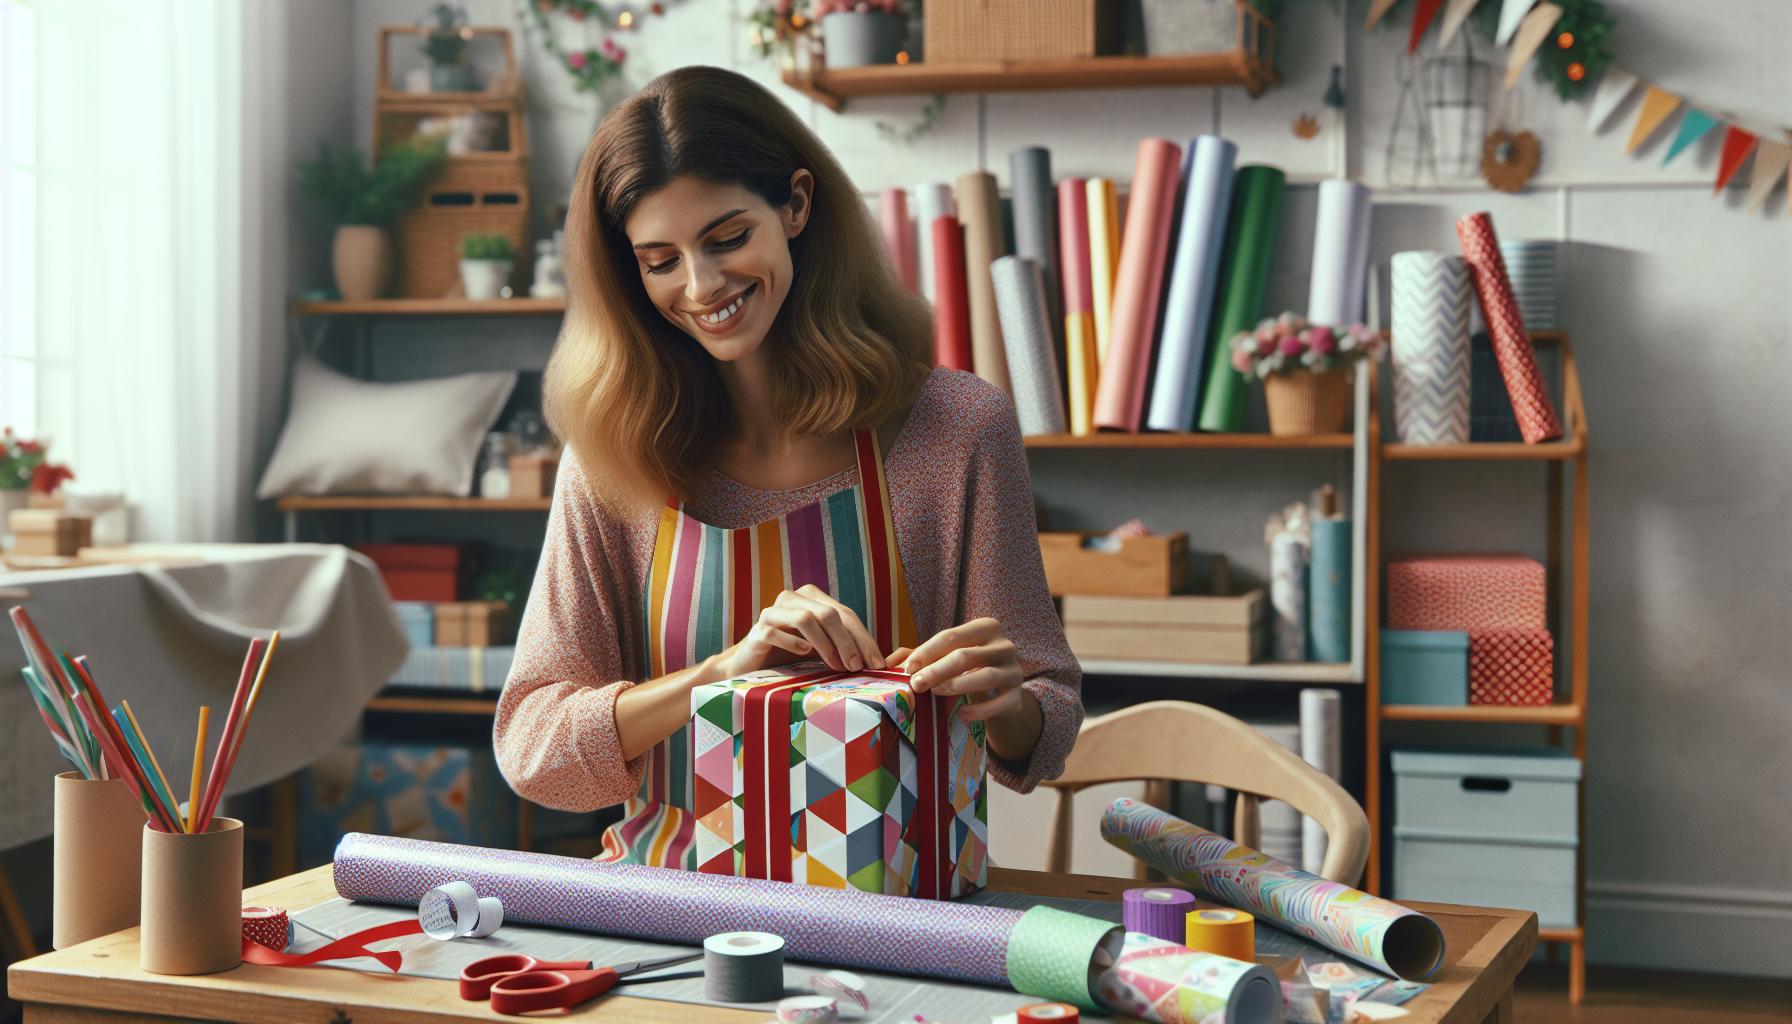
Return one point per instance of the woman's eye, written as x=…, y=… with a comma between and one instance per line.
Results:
x=661, y=268
x=736, y=242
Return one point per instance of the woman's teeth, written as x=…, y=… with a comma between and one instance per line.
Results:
x=733, y=307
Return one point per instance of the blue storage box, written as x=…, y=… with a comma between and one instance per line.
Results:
x=1424, y=667
x=418, y=619
x=1488, y=828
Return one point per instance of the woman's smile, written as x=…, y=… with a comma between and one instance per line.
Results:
x=725, y=319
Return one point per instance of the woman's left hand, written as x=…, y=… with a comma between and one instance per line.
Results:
x=974, y=659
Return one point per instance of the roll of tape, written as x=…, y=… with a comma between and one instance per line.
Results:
x=1226, y=932
x=449, y=911
x=491, y=915
x=1157, y=912
x=808, y=1010
x=1059, y=1013
x=743, y=967
x=267, y=926
x=844, y=986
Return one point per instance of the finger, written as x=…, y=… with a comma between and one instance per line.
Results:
x=976, y=631
x=860, y=635
x=794, y=616
x=768, y=635
x=849, y=635
x=963, y=660
x=983, y=710
x=896, y=657
x=997, y=677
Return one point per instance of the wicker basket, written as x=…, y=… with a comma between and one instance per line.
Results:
x=1303, y=402
x=963, y=31
x=470, y=201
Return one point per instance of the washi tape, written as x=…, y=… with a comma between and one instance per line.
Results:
x=808, y=1010
x=743, y=967
x=452, y=911
x=1230, y=933
x=1057, y=1013
x=845, y=987
x=267, y=926
x=491, y=915
x=1157, y=912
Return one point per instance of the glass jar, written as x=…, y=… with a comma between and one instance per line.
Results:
x=494, y=479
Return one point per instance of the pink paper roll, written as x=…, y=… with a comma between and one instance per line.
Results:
x=1505, y=327
x=1125, y=373
x=952, y=305
x=899, y=234
x=1073, y=245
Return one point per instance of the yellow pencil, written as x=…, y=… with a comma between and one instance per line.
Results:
x=153, y=763
x=205, y=715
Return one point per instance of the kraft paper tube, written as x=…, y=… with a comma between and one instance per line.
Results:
x=1511, y=342
x=1320, y=746
x=1104, y=258
x=980, y=211
x=193, y=899
x=96, y=856
x=933, y=200
x=899, y=234
x=952, y=309
x=1433, y=382
x=1126, y=369
x=1340, y=254
x=1036, y=230
x=1328, y=591
x=1250, y=243
x=1027, y=336
x=1188, y=308
x=1079, y=304
x=1221, y=931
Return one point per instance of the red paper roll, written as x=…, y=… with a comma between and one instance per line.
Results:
x=1537, y=419
x=1073, y=247
x=267, y=926
x=899, y=234
x=1125, y=373
x=952, y=302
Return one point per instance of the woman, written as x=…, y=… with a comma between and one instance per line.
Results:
x=762, y=467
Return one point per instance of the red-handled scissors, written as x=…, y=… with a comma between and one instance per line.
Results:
x=523, y=984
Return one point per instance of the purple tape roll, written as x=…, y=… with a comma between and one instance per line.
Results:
x=1159, y=913
x=846, y=928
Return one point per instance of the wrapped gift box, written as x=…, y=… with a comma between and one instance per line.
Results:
x=1458, y=592
x=1511, y=667
x=472, y=624
x=440, y=793
x=838, y=779
x=49, y=532
x=532, y=474
x=420, y=572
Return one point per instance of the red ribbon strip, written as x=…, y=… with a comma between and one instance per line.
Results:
x=346, y=948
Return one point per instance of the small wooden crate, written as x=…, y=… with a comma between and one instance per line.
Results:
x=48, y=532
x=429, y=234
x=473, y=624
x=967, y=31
x=1198, y=630
x=1149, y=566
x=532, y=475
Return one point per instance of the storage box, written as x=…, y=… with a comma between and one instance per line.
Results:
x=882, y=792
x=1203, y=630
x=49, y=532
x=1155, y=565
x=1511, y=667
x=1488, y=828
x=420, y=572
x=1466, y=592
x=1424, y=667
x=472, y=624
x=957, y=31
x=418, y=619
x=445, y=794
x=532, y=475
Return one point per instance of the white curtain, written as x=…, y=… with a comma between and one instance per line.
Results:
x=158, y=195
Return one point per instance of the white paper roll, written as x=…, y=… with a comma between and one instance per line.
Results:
x=933, y=200
x=1288, y=595
x=1431, y=347
x=1194, y=273
x=1027, y=341
x=1340, y=253
x=1319, y=746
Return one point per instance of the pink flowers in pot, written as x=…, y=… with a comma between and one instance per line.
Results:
x=1287, y=342
x=827, y=7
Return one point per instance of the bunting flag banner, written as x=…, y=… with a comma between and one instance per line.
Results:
x=1692, y=128
x=1454, y=15
x=1614, y=88
x=1377, y=8
x=1771, y=157
x=1421, y=20
x=1738, y=143
x=1512, y=13
x=1530, y=35
x=1657, y=105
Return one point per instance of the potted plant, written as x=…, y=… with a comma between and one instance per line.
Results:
x=486, y=261
x=364, y=203
x=25, y=474
x=1305, y=370
x=855, y=33
x=445, y=36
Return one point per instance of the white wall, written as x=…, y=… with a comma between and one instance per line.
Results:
x=1677, y=305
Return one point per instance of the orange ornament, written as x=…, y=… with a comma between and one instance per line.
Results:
x=1565, y=40
x=1576, y=71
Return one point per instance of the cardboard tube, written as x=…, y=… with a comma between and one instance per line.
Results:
x=193, y=899
x=96, y=858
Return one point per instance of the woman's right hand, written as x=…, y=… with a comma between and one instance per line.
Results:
x=802, y=623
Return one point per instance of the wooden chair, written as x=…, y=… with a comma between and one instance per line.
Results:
x=1169, y=741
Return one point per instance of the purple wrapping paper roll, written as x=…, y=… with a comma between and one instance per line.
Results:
x=843, y=927
x=1158, y=912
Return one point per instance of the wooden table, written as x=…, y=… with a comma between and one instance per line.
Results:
x=99, y=981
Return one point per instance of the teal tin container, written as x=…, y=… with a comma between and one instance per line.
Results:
x=1424, y=667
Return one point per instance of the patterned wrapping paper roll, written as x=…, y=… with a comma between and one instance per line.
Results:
x=1288, y=595
x=1537, y=419
x=1432, y=361
x=980, y=211
x=933, y=200
x=952, y=306
x=1079, y=304
x=899, y=234
x=1104, y=258
x=1340, y=253
x=1157, y=912
x=1377, y=932
x=1169, y=983
x=1249, y=249
x=1328, y=591
x=1194, y=272
x=1144, y=249
x=1027, y=337
x=1035, y=205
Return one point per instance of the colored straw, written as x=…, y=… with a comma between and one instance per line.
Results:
x=46, y=710
x=243, y=728
x=127, y=767
x=139, y=749
x=205, y=714
x=58, y=693
x=214, y=785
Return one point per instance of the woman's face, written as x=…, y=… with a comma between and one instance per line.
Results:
x=715, y=259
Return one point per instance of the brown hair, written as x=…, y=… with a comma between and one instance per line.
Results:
x=639, y=402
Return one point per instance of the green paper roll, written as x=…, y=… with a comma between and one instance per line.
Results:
x=1250, y=243
x=1059, y=957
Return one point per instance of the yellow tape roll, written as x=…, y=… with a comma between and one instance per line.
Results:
x=1226, y=932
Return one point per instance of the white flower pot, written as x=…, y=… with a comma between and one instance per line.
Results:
x=855, y=39
x=484, y=279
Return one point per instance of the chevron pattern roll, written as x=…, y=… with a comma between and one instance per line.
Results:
x=1537, y=419
x=1027, y=338
x=1431, y=349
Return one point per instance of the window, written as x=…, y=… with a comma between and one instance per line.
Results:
x=18, y=217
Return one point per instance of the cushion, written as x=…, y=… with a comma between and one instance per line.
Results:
x=349, y=436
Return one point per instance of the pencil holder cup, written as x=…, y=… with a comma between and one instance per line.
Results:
x=193, y=900
x=96, y=858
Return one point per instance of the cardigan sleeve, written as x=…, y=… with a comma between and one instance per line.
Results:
x=555, y=731
x=1004, y=578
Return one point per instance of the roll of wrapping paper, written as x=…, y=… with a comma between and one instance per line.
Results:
x=1027, y=340
x=1170, y=983
x=1040, y=952
x=1250, y=243
x=1144, y=249
x=933, y=200
x=1194, y=271
x=1081, y=374
x=899, y=234
x=1537, y=419
x=1321, y=738
x=1340, y=253
x=1377, y=932
x=1432, y=359
x=952, y=307
x=1103, y=204
x=1288, y=595
x=1036, y=231
x=1157, y=912
x=1221, y=931
x=980, y=211
x=1328, y=590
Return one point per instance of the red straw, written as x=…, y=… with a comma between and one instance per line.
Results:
x=221, y=758
x=107, y=723
x=128, y=768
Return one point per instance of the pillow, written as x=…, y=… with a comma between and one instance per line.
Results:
x=349, y=436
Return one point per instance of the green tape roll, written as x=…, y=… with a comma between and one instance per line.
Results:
x=1057, y=956
x=1250, y=244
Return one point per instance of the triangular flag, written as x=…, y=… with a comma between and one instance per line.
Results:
x=1692, y=128
x=1737, y=144
x=1657, y=104
x=1512, y=12
x=1421, y=20
x=1530, y=36
x=1454, y=15
x=1615, y=87
x=1377, y=8
x=1770, y=162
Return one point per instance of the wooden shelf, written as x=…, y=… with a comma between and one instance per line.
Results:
x=433, y=307
x=1498, y=450
x=1267, y=672
x=1238, y=442
x=474, y=706
x=1553, y=714
x=374, y=502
